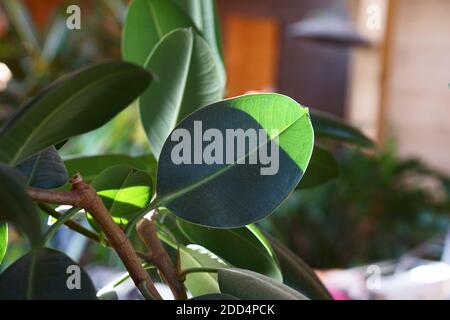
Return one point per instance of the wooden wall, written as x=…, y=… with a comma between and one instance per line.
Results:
x=418, y=99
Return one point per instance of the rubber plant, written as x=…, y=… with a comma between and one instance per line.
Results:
x=197, y=220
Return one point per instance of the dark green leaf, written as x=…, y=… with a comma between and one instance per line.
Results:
x=124, y=191
x=16, y=206
x=74, y=104
x=226, y=193
x=329, y=126
x=297, y=274
x=187, y=80
x=322, y=168
x=45, y=170
x=242, y=247
x=146, y=23
x=91, y=166
x=3, y=240
x=249, y=285
x=54, y=275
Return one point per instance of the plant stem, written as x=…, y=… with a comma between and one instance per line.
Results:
x=159, y=257
x=140, y=214
x=84, y=196
x=72, y=225
x=60, y=221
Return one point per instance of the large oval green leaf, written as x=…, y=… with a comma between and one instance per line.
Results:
x=56, y=277
x=16, y=206
x=124, y=190
x=146, y=23
x=3, y=240
x=91, y=166
x=74, y=104
x=45, y=170
x=245, y=247
x=323, y=167
x=297, y=274
x=249, y=285
x=328, y=126
x=238, y=187
x=187, y=79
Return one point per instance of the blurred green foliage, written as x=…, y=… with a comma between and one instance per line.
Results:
x=377, y=209
x=38, y=55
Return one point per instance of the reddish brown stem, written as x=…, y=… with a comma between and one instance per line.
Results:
x=84, y=196
x=158, y=256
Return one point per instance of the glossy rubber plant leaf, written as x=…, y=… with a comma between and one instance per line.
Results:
x=3, y=240
x=249, y=285
x=323, y=167
x=200, y=283
x=233, y=182
x=297, y=274
x=187, y=79
x=146, y=23
x=74, y=104
x=195, y=256
x=204, y=15
x=91, y=166
x=124, y=190
x=244, y=247
x=329, y=126
x=16, y=206
x=56, y=277
x=45, y=170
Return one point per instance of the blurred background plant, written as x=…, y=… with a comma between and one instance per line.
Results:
x=377, y=209
x=37, y=47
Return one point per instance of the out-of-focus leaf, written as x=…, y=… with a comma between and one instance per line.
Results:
x=16, y=206
x=297, y=274
x=45, y=170
x=249, y=285
x=55, y=39
x=56, y=277
x=91, y=166
x=186, y=72
x=329, y=126
x=74, y=104
x=322, y=167
x=22, y=22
